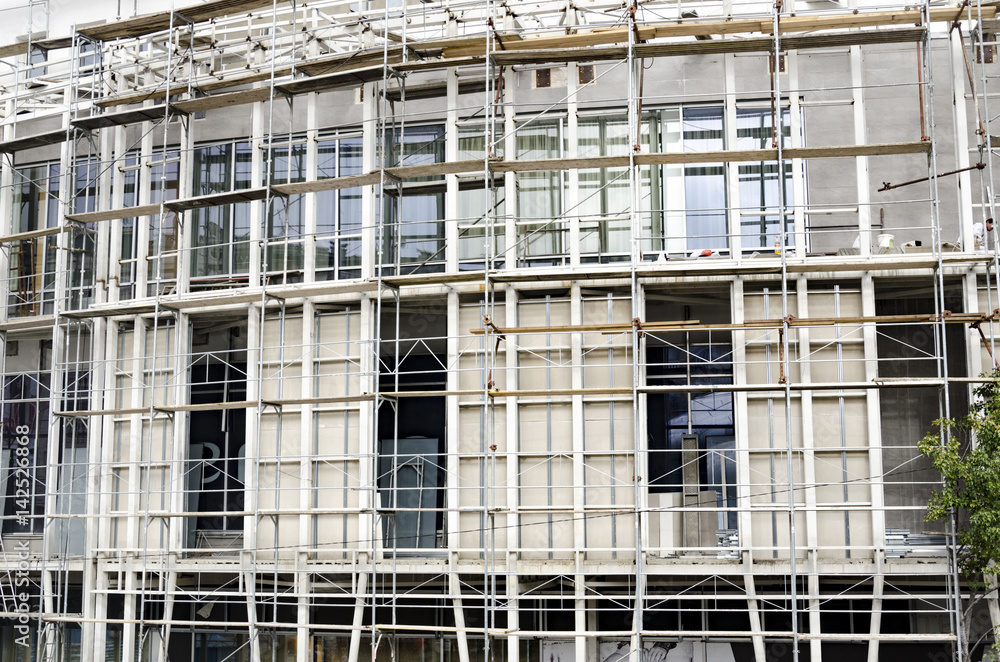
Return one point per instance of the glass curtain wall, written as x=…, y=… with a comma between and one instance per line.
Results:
x=605, y=193
x=681, y=207
x=605, y=196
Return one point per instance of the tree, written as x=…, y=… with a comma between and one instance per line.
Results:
x=967, y=454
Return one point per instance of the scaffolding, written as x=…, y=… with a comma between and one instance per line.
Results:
x=484, y=331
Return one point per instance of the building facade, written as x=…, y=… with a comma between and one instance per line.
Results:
x=489, y=331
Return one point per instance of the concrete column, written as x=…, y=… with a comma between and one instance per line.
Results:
x=369, y=208
x=310, y=205
x=100, y=484
x=135, y=464
x=861, y=162
x=114, y=227
x=798, y=199
x=874, y=416
x=961, y=122
x=579, y=473
x=176, y=457
x=49, y=634
x=512, y=245
x=307, y=435
x=185, y=226
x=753, y=611
x=571, y=212
x=742, y=425
x=258, y=211
x=248, y=557
x=878, y=586
x=453, y=494
x=143, y=185
x=452, y=218
x=511, y=560
x=735, y=221
x=366, y=461
x=98, y=380
x=6, y=208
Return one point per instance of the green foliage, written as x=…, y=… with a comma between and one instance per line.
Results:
x=967, y=454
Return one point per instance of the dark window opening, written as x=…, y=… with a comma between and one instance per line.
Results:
x=692, y=436
x=24, y=452
x=216, y=466
x=411, y=462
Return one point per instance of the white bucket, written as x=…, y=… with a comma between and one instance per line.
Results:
x=886, y=240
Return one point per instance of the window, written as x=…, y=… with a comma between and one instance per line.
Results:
x=162, y=249
x=338, y=212
x=605, y=195
x=411, y=464
x=286, y=216
x=414, y=212
x=216, y=467
x=692, y=447
x=540, y=194
x=408, y=473
x=24, y=451
x=88, y=56
x=83, y=240
x=33, y=261
x=704, y=184
x=759, y=182
x=477, y=206
x=12, y=642
x=681, y=207
x=221, y=239
x=127, y=254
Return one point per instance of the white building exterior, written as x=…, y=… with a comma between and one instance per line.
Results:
x=488, y=331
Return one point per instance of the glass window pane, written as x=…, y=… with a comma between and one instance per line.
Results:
x=759, y=182
x=704, y=185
